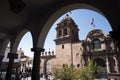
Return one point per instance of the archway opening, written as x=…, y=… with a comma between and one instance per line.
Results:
x=100, y=62
x=25, y=56
x=102, y=72
x=26, y=44
x=82, y=18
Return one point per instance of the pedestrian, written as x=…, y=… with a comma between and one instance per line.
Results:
x=46, y=76
x=13, y=77
x=41, y=75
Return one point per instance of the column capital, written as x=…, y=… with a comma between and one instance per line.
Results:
x=37, y=49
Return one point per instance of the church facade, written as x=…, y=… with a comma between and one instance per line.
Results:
x=97, y=46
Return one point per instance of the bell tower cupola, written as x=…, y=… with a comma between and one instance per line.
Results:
x=67, y=31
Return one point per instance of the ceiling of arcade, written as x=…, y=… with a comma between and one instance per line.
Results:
x=14, y=18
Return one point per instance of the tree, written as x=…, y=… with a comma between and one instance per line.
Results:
x=70, y=73
x=92, y=69
x=88, y=72
x=65, y=73
x=57, y=74
x=82, y=74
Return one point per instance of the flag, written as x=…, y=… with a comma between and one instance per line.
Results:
x=92, y=21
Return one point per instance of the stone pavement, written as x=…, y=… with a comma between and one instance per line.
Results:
x=29, y=78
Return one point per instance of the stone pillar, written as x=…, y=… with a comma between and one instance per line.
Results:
x=82, y=61
x=44, y=66
x=116, y=64
x=1, y=58
x=36, y=63
x=107, y=65
x=11, y=57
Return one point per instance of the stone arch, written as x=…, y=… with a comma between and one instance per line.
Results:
x=18, y=39
x=59, y=13
x=90, y=35
x=59, y=33
x=48, y=66
x=3, y=48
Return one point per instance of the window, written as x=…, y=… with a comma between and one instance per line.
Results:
x=96, y=45
x=65, y=31
x=63, y=65
x=78, y=65
x=60, y=33
x=62, y=46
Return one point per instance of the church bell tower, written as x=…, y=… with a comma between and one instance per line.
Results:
x=66, y=35
x=67, y=31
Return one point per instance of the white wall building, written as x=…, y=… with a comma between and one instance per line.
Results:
x=5, y=60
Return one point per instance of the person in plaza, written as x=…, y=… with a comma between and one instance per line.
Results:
x=46, y=76
x=41, y=75
x=13, y=77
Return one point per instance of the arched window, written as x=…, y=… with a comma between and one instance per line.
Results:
x=96, y=45
x=62, y=46
x=78, y=65
x=65, y=31
x=60, y=33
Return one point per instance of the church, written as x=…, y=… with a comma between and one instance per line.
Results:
x=97, y=46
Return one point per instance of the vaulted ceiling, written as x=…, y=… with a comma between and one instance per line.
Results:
x=15, y=15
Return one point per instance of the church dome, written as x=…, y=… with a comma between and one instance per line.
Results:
x=96, y=33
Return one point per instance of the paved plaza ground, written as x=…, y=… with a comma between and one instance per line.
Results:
x=29, y=78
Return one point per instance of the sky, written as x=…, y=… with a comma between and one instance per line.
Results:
x=82, y=18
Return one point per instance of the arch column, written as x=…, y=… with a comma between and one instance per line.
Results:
x=116, y=64
x=11, y=57
x=36, y=63
x=107, y=65
x=44, y=66
x=82, y=60
x=1, y=58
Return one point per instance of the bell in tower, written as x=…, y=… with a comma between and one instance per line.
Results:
x=67, y=31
